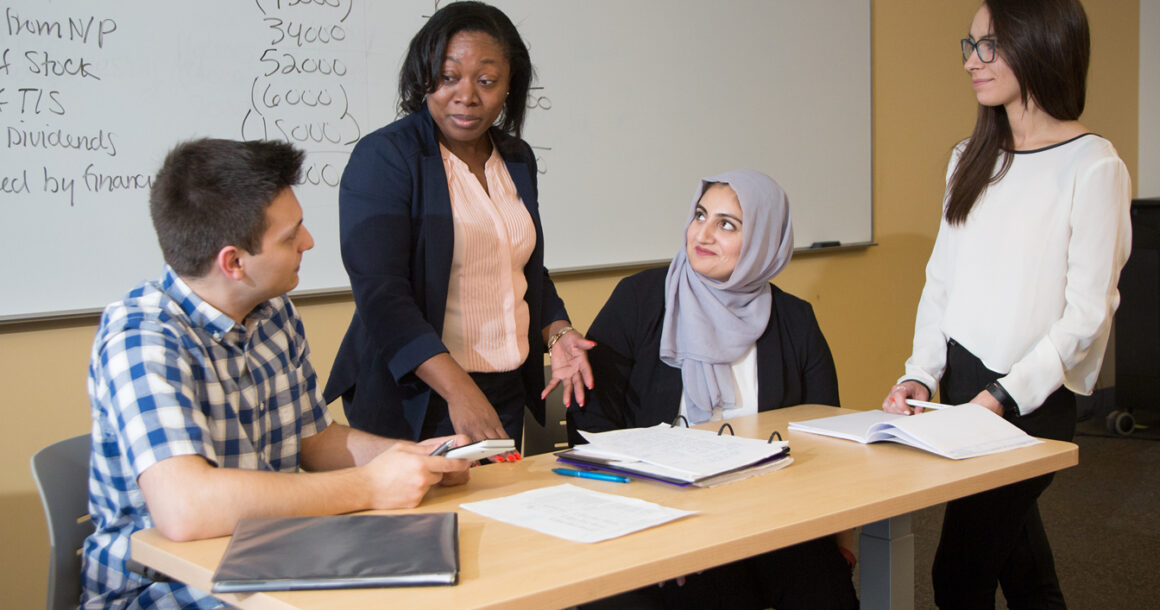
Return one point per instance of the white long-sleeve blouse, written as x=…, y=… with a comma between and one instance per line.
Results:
x=1028, y=282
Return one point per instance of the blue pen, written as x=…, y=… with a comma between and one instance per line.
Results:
x=584, y=474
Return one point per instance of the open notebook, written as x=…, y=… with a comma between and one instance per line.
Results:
x=339, y=552
x=958, y=432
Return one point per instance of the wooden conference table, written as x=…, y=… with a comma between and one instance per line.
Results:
x=833, y=485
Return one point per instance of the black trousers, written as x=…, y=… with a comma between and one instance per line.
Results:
x=997, y=537
x=812, y=575
x=505, y=392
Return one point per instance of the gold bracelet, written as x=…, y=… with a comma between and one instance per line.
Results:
x=556, y=337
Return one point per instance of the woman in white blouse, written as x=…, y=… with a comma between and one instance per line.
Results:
x=1021, y=284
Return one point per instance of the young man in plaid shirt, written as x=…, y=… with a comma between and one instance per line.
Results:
x=205, y=406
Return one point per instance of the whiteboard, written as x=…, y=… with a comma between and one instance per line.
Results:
x=634, y=103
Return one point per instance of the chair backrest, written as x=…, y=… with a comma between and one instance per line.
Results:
x=61, y=471
x=554, y=435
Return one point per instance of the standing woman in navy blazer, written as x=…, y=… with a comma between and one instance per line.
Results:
x=442, y=241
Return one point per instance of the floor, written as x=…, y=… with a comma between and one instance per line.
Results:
x=1103, y=518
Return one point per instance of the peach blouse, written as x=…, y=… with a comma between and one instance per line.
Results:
x=485, y=326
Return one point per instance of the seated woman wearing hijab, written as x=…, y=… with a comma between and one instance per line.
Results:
x=712, y=339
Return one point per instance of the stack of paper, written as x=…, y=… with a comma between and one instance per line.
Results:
x=678, y=455
x=963, y=431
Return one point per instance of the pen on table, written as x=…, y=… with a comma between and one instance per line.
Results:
x=926, y=405
x=444, y=448
x=584, y=474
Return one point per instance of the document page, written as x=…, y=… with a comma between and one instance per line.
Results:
x=575, y=513
x=963, y=431
x=852, y=427
x=696, y=452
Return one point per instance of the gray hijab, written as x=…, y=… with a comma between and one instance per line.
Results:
x=709, y=324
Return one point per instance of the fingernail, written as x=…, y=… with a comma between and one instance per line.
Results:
x=518, y=456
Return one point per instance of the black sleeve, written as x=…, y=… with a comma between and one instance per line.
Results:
x=614, y=331
x=819, y=375
x=376, y=209
x=551, y=305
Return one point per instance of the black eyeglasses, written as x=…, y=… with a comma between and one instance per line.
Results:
x=984, y=48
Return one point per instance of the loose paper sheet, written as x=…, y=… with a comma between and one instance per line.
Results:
x=575, y=513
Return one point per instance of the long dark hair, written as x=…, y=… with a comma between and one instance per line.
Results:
x=1047, y=45
x=420, y=72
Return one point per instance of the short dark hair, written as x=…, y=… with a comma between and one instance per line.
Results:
x=1047, y=45
x=212, y=193
x=420, y=73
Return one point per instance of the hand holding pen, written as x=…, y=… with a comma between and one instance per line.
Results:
x=900, y=393
x=922, y=404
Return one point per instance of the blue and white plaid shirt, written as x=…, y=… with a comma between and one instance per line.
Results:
x=170, y=375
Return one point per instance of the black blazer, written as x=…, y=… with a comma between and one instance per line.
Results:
x=634, y=388
x=396, y=235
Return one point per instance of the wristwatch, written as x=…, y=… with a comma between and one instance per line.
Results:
x=1010, y=408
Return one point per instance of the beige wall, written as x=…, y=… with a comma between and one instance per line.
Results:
x=865, y=299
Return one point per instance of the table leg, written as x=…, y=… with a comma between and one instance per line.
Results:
x=887, y=559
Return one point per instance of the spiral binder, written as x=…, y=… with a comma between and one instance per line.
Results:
x=674, y=467
x=680, y=421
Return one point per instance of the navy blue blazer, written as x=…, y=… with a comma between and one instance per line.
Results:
x=396, y=236
x=635, y=389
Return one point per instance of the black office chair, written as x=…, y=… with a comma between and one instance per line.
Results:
x=61, y=471
x=554, y=435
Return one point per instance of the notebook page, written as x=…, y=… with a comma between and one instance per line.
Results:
x=962, y=431
x=852, y=426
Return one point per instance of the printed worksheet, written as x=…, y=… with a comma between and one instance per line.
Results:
x=575, y=513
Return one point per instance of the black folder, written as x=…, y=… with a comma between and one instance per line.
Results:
x=340, y=552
